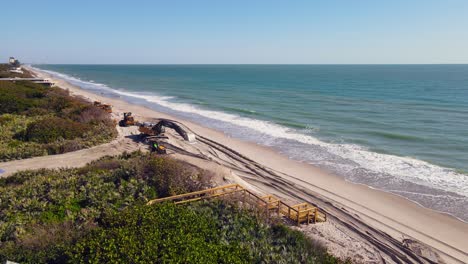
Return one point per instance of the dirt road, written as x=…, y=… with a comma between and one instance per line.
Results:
x=124, y=142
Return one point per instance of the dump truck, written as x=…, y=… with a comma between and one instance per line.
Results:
x=128, y=120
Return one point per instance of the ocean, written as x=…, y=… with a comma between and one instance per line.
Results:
x=398, y=128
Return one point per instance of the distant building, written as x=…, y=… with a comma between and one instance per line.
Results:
x=14, y=61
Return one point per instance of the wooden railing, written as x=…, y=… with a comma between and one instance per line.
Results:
x=199, y=195
x=299, y=213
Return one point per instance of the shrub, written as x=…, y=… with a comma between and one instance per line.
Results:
x=156, y=234
x=170, y=178
x=97, y=214
x=92, y=114
x=52, y=129
x=37, y=121
x=206, y=232
x=4, y=119
x=10, y=104
x=64, y=146
x=20, y=96
x=11, y=147
x=36, y=111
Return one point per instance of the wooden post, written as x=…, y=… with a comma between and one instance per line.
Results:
x=243, y=199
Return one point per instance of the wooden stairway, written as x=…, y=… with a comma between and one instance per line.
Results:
x=299, y=213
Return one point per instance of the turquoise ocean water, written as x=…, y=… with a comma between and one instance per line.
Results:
x=399, y=128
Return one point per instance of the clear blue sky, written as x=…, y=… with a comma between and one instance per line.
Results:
x=252, y=31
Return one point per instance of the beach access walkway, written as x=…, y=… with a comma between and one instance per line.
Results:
x=268, y=205
x=42, y=81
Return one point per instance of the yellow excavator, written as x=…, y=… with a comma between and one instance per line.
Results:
x=153, y=134
x=150, y=130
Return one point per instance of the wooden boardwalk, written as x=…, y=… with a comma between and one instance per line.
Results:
x=299, y=213
x=34, y=80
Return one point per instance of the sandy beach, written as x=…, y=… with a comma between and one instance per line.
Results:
x=368, y=225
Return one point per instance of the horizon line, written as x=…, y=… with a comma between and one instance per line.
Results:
x=266, y=64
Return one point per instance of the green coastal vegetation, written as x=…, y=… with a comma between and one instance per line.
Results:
x=37, y=120
x=98, y=214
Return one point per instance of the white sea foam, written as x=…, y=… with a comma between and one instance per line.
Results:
x=406, y=168
x=402, y=168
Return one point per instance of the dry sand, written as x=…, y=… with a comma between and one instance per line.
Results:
x=367, y=225
x=124, y=142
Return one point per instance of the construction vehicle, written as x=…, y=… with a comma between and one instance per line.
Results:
x=150, y=130
x=158, y=148
x=128, y=120
x=146, y=129
x=105, y=107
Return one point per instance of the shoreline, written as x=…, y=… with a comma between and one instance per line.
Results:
x=271, y=148
x=391, y=213
x=427, y=184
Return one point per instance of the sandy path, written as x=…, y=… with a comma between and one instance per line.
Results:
x=123, y=142
x=367, y=224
